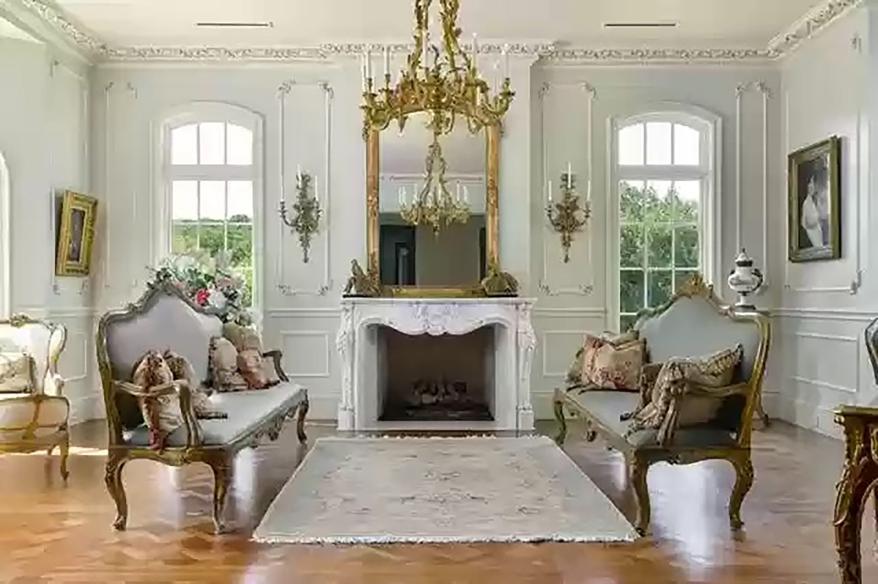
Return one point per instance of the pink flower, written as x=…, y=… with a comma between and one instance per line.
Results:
x=201, y=297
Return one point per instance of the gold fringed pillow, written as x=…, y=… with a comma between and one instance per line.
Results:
x=161, y=413
x=223, y=361
x=183, y=370
x=612, y=366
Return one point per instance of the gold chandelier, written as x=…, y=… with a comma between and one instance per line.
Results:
x=434, y=205
x=445, y=82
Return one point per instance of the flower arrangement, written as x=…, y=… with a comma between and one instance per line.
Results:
x=208, y=283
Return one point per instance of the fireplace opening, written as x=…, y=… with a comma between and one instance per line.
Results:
x=436, y=378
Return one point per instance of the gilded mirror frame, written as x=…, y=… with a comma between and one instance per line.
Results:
x=492, y=217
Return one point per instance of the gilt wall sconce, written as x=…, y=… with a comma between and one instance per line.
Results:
x=568, y=216
x=306, y=212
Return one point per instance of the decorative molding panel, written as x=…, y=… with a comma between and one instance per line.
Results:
x=319, y=372
x=325, y=203
x=817, y=19
x=584, y=288
x=828, y=338
x=544, y=346
x=80, y=340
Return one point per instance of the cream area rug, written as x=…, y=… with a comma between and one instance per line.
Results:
x=434, y=490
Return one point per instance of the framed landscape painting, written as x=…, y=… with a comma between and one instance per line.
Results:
x=815, y=202
x=75, y=234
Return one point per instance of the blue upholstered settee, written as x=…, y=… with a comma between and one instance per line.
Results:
x=165, y=319
x=692, y=324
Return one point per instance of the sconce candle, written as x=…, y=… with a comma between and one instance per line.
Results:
x=307, y=212
x=567, y=216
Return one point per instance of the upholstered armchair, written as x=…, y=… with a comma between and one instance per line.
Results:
x=33, y=410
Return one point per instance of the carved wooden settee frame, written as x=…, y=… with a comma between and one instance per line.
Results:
x=219, y=457
x=639, y=458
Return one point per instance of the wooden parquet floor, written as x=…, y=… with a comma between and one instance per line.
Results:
x=51, y=532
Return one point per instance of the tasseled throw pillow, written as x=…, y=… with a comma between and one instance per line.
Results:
x=223, y=362
x=161, y=413
x=612, y=366
x=183, y=370
x=16, y=373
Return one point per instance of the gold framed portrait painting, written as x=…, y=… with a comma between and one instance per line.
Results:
x=815, y=202
x=75, y=234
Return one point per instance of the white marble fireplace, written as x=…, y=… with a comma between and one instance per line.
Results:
x=506, y=321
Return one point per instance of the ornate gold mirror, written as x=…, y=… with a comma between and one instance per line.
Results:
x=433, y=228
x=432, y=166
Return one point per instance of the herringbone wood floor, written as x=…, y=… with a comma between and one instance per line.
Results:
x=51, y=532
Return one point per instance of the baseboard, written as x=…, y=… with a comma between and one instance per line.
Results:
x=808, y=415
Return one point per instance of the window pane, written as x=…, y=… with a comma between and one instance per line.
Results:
x=688, y=200
x=211, y=145
x=630, y=290
x=626, y=322
x=682, y=276
x=687, y=142
x=659, y=287
x=239, y=145
x=184, y=200
x=240, y=201
x=658, y=143
x=631, y=201
x=631, y=145
x=246, y=274
x=184, y=142
x=657, y=205
x=659, y=254
x=213, y=199
x=631, y=247
x=240, y=246
x=213, y=239
x=185, y=238
x=686, y=244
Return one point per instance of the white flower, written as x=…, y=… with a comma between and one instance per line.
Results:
x=217, y=299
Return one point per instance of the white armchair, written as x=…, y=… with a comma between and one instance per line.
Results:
x=33, y=411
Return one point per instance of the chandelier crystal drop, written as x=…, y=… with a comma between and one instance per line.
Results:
x=434, y=205
x=440, y=78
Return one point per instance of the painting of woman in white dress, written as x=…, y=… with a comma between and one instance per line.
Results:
x=814, y=202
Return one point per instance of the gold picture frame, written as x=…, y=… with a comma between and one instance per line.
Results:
x=815, y=202
x=75, y=234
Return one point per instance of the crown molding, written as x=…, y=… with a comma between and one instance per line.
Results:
x=815, y=20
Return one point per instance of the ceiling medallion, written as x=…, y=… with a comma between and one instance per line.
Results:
x=445, y=82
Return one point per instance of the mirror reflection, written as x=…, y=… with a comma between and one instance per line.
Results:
x=432, y=206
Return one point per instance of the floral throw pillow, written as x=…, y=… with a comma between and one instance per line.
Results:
x=161, y=413
x=223, y=364
x=16, y=370
x=610, y=366
x=251, y=366
x=183, y=370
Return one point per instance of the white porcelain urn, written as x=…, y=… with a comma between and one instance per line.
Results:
x=745, y=280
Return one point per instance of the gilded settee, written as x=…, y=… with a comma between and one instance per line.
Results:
x=165, y=319
x=693, y=323
x=35, y=418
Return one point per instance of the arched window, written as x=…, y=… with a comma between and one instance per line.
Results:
x=211, y=175
x=664, y=174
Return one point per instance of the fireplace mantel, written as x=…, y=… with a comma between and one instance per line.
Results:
x=436, y=316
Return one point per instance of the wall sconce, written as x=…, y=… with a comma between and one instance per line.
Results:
x=307, y=212
x=567, y=216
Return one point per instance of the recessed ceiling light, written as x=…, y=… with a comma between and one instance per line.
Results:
x=640, y=25
x=234, y=24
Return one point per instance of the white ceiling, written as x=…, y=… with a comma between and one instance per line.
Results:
x=702, y=23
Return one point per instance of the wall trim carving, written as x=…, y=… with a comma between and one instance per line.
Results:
x=325, y=371
x=283, y=91
x=545, y=286
x=831, y=314
x=815, y=20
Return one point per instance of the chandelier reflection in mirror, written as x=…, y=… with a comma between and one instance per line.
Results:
x=445, y=82
x=434, y=205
